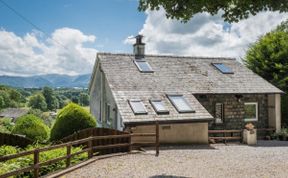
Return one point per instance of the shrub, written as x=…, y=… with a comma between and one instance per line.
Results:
x=70, y=119
x=32, y=127
x=25, y=161
x=6, y=125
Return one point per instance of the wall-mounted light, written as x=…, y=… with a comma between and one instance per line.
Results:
x=239, y=98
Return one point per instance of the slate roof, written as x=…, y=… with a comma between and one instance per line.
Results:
x=176, y=74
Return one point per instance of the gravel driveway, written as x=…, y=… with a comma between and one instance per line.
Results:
x=268, y=159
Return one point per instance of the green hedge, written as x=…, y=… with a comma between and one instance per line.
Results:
x=70, y=119
x=32, y=127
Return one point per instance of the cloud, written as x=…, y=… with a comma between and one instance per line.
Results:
x=205, y=35
x=63, y=52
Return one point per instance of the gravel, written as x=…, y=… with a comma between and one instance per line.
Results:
x=267, y=159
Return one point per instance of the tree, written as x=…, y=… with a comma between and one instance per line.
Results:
x=84, y=99
x=70, y=119
x=233, y=10
x=51, y=100
x=32, y=127
x=37, y=101
x=268, y=57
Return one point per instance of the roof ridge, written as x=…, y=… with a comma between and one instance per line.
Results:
x=165, y=55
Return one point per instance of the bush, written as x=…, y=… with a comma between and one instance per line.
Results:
x=32, y=127
x=70, y=119
x=26, y=161
x=6, y=125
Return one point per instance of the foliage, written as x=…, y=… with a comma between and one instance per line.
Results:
x=21, y=162
x=71, y=119
x=9, y=97
x=51, y=100
x=268, y=57
x=233, y=11
x=84, y=99
x=32, y=127
x=45, y=116
x=37, y=101
x=6, y=125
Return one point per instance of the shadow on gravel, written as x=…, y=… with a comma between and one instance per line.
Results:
x=271, y=143
x=187, y=147
x=166, y=176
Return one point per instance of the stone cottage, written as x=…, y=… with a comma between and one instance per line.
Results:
x=187, y=95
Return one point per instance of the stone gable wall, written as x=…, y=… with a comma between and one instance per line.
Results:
x=234, y=110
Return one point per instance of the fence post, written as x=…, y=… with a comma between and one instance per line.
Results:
x=68, y=160
x=90, y=151
x=130, y=142
x=157, y=138
x=36, y=163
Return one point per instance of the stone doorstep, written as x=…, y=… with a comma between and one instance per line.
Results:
x=61, y=173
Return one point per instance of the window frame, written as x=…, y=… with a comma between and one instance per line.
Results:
x=175, y=105
x=137, y=112
x=219, y=63
x=220, y=120
x=165, y=111
x=251, y=119
x=140, y=69
x=108, y=113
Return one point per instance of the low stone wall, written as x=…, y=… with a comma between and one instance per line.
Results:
x=234, y=110
x=196, y=133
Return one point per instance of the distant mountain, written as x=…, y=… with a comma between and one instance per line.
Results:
x=51, y=80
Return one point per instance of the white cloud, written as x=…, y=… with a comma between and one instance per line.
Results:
x=63, y=52
x=205, y=35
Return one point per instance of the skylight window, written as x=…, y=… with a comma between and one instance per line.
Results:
x=180, y=104
x=137, y=106
x=143, y=66
x=223, y=68
x=159, y=106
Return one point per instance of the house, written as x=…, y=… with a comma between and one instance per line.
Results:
x=187, y=95
x=13, y=113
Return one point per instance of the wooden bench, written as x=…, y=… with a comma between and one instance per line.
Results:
x=226, y=135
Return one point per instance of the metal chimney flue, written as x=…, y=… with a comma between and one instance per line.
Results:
x=139, y=47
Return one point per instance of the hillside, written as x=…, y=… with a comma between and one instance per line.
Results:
x=51, y=80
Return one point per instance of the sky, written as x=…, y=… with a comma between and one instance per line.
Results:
x=64, y=36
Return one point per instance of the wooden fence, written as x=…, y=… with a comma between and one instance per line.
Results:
x=14, y=140
x=107, y=143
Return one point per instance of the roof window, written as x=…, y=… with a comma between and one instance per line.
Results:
x=223, y=68
x=137, y=106
x=159, y=106
x=180, y=103
x=143, y=66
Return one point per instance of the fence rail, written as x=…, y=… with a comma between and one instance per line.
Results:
x=106, y=144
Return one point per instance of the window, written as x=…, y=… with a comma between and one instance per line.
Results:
x=159, y=107
x=251, y=112
x=137, y=106
x=143, y=66
x=180, y=103
x=223, y=68
x=219, y=113
x=107, y=114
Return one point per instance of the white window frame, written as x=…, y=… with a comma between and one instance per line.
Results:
x=180, y=110
x=251, y=119
x=140, y=69
x=108, y=113
x=221, y=119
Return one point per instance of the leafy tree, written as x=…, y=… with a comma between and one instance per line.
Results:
x=37, y=101
x=84, y=99
x=70, y=119
x=233, y=10
x=51, y=100
x=5, y=99
x=268, y=57
x=33, y=127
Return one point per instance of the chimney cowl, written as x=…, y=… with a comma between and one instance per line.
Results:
x=139, y=47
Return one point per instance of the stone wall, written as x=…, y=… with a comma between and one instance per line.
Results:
x=234, y=110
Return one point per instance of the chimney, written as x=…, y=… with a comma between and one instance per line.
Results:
x=139, y=47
